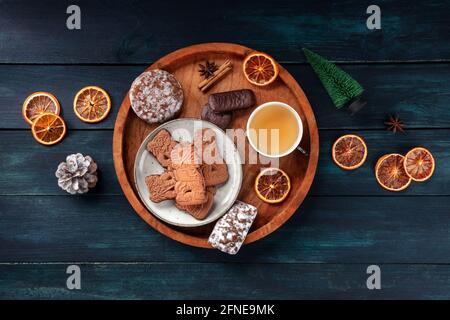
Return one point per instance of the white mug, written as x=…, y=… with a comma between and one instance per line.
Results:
x=294, y=146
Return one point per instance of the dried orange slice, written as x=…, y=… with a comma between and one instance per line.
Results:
x=390, y=173
x=260, y=69
x=91, y=104
x=349, y=152
x=419, y=164
x=38, y=103
x=48, y=128
x=272, y=185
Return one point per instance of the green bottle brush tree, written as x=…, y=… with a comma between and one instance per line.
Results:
x=342, y=88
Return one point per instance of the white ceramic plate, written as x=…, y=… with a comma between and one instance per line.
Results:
x=226, y=194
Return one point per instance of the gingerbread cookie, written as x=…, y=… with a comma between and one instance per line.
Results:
x=190, y=186
x=213, y=168
x=190, y=192
x=161, y=147
x=156, y=96
x=188, y=174
x=204, y=136
x=201, y=211
x=214, y=174
x=161, y=187
x=211, y=154
x=185, y=154
x=205, y=143
x=188, y=181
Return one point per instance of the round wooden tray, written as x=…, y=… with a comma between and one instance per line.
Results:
x=130, y=131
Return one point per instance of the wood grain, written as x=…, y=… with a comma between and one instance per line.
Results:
x=143, y=31
x=417, y=92
x=28, y=168
x=130, y=131
x=323, y=251
x=324, y=230
x=228, y=281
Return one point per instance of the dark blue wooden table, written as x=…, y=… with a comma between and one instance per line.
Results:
x=347, y=221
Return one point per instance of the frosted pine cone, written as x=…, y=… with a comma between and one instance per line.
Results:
x=77, y=174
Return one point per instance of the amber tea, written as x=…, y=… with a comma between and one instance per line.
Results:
x=274, y=129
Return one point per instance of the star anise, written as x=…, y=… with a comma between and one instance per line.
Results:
x=394, y=124
x=207, y=70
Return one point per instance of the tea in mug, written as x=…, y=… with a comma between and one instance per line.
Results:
x=274, y=129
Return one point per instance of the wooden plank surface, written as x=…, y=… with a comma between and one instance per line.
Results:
x=419, y=93
x=324, y=230
x=28, y=168
x=35, y=32
x=346, y=223
x=227, y=281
